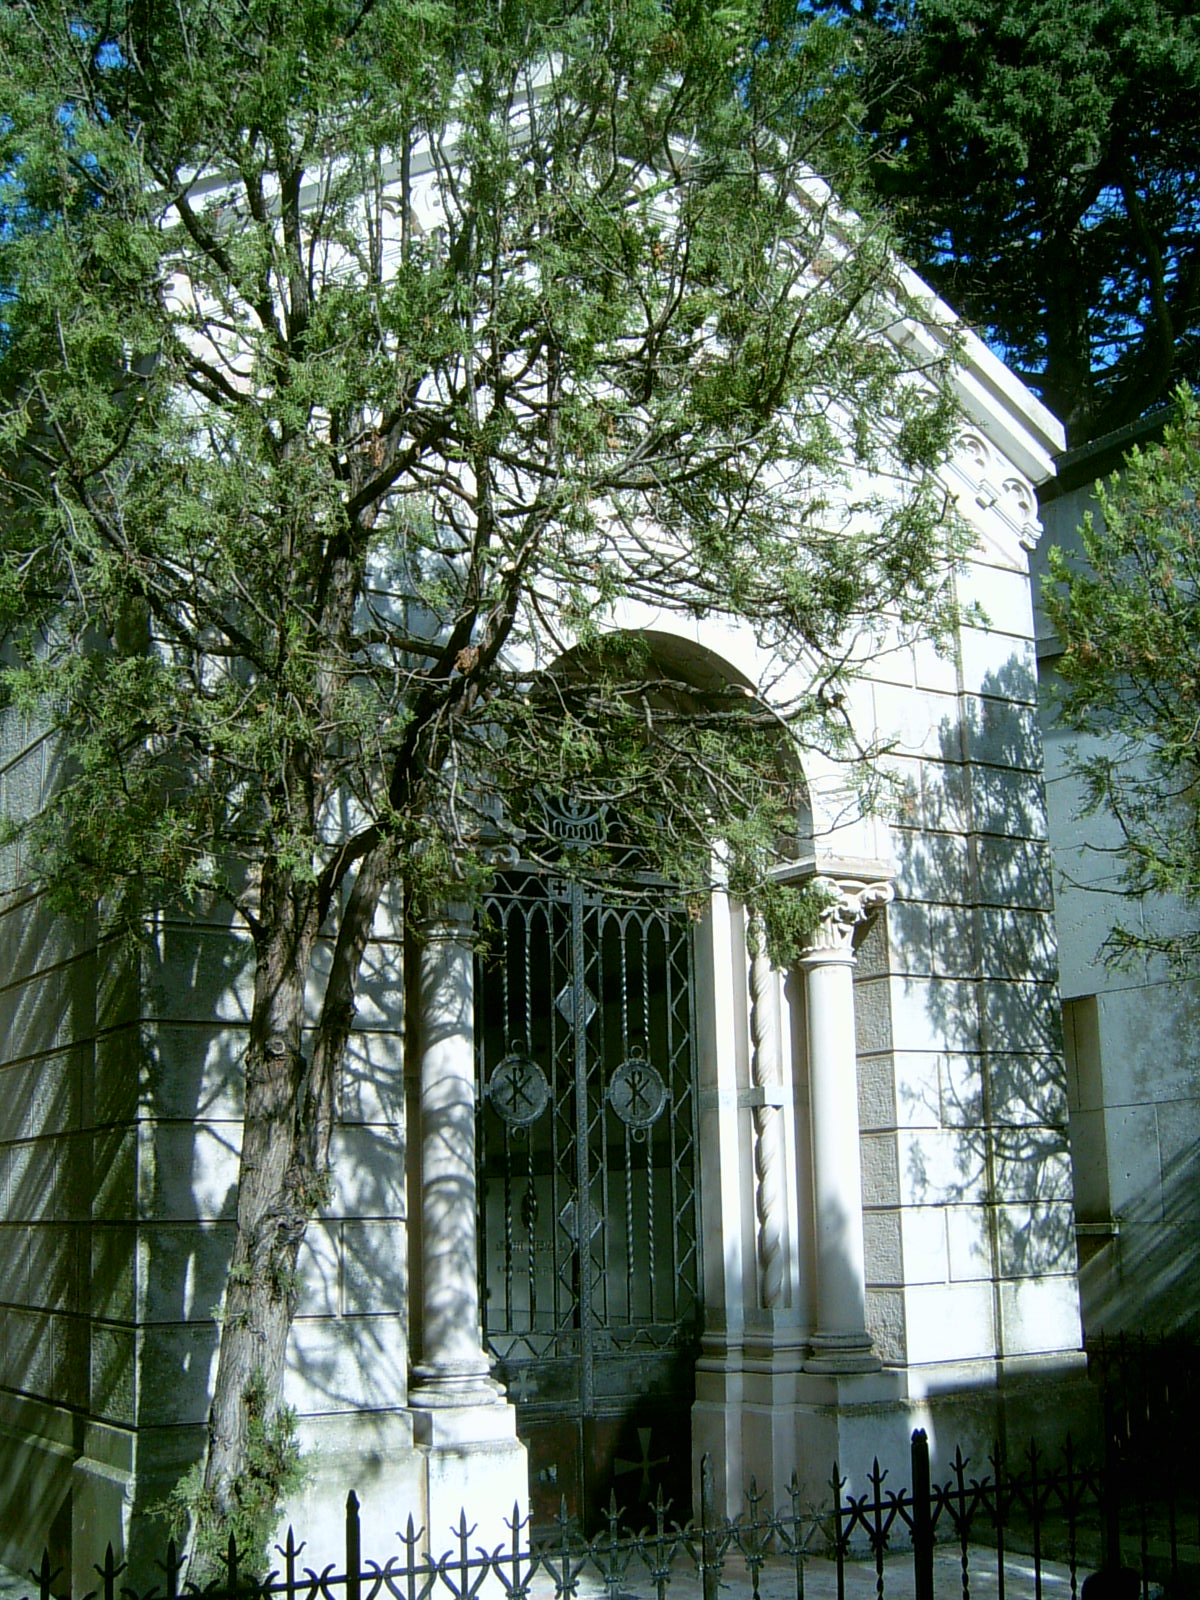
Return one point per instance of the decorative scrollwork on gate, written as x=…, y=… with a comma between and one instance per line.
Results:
x=576, y=824
x=518, y=1089
x=636, y=1092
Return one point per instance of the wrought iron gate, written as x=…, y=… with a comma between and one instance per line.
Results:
x=589, y=1211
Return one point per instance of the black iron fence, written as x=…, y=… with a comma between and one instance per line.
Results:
x=1011, y=1527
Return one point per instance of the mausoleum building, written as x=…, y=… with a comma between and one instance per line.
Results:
x=610, y=1191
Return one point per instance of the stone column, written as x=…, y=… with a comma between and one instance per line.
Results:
x=462, y=1422
x=453, y=1368
x=840, y=1343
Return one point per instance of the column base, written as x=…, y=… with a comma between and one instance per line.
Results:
x=850, y=1418
x=471, y=1473
x=447, y=1426
x=842, y=1352
x=370, y=1452
x=434, y=1389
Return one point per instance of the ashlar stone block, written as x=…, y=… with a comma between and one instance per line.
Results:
x=969, y=1241
x=1021, y=1017
x=114, y=1271
x=882, y=1248
x=1019, y=944
x=319, y=1268
x=872, y=1016
x=924, y=1239
x=876, y=1093
x=1032, y=1164
x=1003, y=595
x=911, y=953
x=1014, y=873
x=885, y=1324
x=953, y=938
x=195, y=1070
x=949, y=1322
x=367, y=1165
x=112, y=1390
x=918, y=1090
x=991, y=658
x=945, y=1167
x=195, y=961
x=29, y=1355
x=881, y=1184
x=34, y=1190
x=999, y=733
x=929, y=1014
x=1035, y=1239
x=347, y=1364
x=1040, y=1314
x=920, y=723
x=374, y=1268
x=189, y=1170
x=182, y=1270
x=372, y=1084
x=961, y=1090
x=178, y=1365
x=1026, y=1090
x=933, y=868
x=946, y=794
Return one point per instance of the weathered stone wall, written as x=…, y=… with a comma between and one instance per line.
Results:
x=120, y=1107
x=1133, y=1049
x=962, y=1087
x=52, y=1166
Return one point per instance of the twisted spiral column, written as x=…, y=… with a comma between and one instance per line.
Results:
x=770, y=1198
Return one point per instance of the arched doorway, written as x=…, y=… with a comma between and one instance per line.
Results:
x=589, y=1208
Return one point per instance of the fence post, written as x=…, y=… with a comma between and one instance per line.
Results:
x=922, y=1523
x=353, y=1548
x=841, y=1540
x=109, y=1573
x=45, y=1577
x=1112, y=1493
x=173, y=1566
x=711, y=1577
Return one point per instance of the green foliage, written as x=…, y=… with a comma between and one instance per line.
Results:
x=239, y=414
x=1042, y=161
x=274, y=1469
x=386, y=391
x=1128, y=616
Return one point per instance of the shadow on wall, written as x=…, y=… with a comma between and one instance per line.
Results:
x=347, y=1351
x=349, y=1347
x=120, y=1131
x=191, y=976
x=974, y=914
x=48, y=1003
x=1146, y=1278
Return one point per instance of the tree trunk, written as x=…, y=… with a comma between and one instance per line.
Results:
x=288, y=1122
x=277, y=1190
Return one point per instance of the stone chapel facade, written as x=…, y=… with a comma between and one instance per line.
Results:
x=610, y=1191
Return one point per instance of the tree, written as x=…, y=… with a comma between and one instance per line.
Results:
x=1042, y=162
x=1129, y=621
x=361, y=359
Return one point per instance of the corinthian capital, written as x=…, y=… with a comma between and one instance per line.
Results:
x=851, y=902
